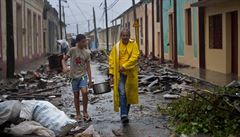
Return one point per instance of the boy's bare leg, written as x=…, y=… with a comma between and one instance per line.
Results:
x=77, y=105
x=85, y=101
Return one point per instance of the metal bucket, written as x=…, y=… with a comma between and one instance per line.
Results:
x=101, y=88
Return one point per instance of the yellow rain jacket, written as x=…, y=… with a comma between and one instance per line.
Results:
x=131, y=70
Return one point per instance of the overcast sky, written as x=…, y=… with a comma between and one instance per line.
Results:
x=80, y=11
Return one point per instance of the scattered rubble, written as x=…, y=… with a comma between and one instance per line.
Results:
x=99, y=56
x=41, y=84
x=117, y=133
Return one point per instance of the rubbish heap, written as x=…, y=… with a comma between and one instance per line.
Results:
x=31, y=103
x=159, y=78
x=42, y=84
x=101, y=57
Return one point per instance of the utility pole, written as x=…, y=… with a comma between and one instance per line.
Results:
x=134, y=10
x=88, y=25
x=95, y=28
x=106, y=15
x=60, y=17
x=65, y=30
x=77, y=29
x=136, y=23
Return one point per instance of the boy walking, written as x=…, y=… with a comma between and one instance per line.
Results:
x=80, y=72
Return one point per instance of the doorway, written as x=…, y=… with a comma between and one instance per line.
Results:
x=171, y=40
x=10, y=39
x=201, y=26
x=234, y=42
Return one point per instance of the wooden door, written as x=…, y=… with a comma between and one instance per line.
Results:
x=234, y=41
x=171, y=40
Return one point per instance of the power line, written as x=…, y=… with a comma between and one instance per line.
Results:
x=74, y=17
x=113, y=4
x=79, y=9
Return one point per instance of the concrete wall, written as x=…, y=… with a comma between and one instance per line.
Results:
x=220, y=59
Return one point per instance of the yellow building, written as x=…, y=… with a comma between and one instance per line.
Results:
x=21, y=33
x=222, y=35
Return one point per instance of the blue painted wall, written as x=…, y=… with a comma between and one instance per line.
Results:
x=167, y=5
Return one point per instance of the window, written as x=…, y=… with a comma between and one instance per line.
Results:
x=158, y=10
x=215, y=32
x=188, y=26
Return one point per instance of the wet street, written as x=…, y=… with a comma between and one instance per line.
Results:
x=145, y=120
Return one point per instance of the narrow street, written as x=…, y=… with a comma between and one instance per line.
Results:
x=145, y=119
x=177, y=62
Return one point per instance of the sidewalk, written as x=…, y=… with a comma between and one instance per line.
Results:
x=212, y=77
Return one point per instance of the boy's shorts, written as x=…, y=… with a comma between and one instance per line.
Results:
x=78, y=83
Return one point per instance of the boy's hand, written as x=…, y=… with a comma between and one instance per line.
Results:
x=65, y=70
x=90, y=84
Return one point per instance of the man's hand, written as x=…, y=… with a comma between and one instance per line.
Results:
x=121, y=69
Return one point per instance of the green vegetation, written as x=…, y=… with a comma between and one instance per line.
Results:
x=216, y=114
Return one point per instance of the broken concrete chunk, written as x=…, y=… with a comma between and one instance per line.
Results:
x=148, y=78
x=157, y=91
x=234, y=83
x=141, y=92
x=153, y=83
x=171, y=96
x=23, y=72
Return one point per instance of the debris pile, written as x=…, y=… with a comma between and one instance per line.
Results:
x=100, y=56
x=39, y=100
x=158, y=78
x=42, y=84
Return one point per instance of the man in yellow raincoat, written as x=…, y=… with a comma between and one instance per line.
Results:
x=123, y=71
